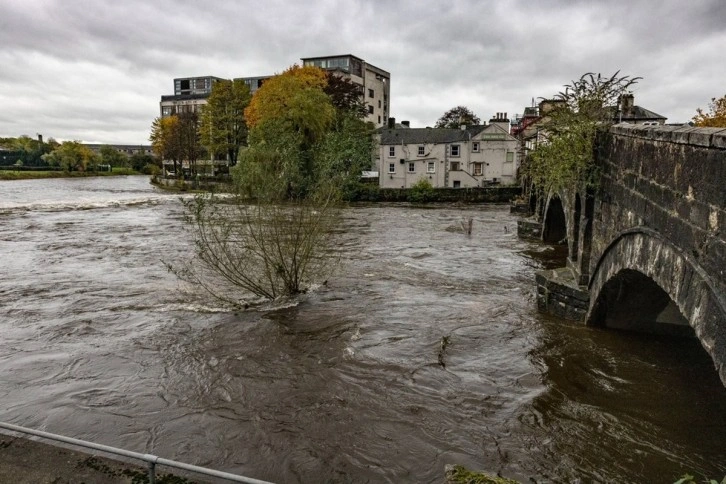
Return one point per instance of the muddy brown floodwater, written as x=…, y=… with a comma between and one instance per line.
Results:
x=344, y=384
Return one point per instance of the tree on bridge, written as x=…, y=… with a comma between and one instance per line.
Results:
x=587, y=106
x=716, y=118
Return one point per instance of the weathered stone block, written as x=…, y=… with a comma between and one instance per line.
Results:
x=529, y=229
x=703, y=136
x=663, y=133
x=680, y=134
x=718, y=140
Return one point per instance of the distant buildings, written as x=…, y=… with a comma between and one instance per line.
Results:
x=189, y=94
x=192, y=92
x=128, y=150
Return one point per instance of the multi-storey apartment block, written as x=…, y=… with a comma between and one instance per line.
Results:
x=375, y=83
x=189, y=94
x=192, y=92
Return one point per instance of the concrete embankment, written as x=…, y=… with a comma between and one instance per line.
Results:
x=29, y=461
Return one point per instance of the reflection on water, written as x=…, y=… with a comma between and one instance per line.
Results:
x=344, y=384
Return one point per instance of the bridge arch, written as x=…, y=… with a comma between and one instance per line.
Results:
x=554, y=226
x=643, y=280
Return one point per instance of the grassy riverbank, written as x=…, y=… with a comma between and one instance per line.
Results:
x=37, y=174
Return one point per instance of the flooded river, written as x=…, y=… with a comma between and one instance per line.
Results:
x=345, y=384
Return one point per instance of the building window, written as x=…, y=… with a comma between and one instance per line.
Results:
x=166, y=111
x=455, y=150
x=510, y=156
x=370, y=109
x=411, y=167
x=391, y=168
x=431, y=167
x=457, y=184
x=478, y=169
x=379, y=120
x=392, y=151
x=455, y=166
x=379, y=103
x=421, y=151
x=370, y=92
x=475, y=147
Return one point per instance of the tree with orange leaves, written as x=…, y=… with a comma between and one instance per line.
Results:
x=296, y=100
x=714, y=119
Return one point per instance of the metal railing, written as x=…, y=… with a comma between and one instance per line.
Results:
x=151, y=460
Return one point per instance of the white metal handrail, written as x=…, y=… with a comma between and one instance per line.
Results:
x=151, y=460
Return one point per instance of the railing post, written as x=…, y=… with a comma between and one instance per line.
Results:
x=151, y=459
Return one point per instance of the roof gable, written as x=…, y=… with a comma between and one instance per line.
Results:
x=494, y=132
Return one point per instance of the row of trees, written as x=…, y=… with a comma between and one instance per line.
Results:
x=26, y=151
x=68, y=156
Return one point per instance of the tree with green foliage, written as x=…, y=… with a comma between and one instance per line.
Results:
x=222, y=128
x=113, y=157
x=29, y=150
x=587, y=107
x=455, y=117
x=144, y=163
x=288, y=116
x=715, y=118
x=71, y=156
x=421, y=191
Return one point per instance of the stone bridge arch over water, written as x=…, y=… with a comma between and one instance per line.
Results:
x=647, y=248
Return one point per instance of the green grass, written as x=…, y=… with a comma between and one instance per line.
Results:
x=31, y=175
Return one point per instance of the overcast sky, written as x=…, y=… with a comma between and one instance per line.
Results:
x=94, y=70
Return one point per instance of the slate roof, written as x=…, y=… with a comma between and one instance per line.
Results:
x=642, y=113
x=420, y=136
x=637, y=113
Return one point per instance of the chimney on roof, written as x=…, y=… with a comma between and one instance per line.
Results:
x=626, y=104
x=40, y=138
x=548, y=105
x=501, y=120
x=391, y=123
x=406, y=123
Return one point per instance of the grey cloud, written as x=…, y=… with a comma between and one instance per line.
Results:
x=94, y=70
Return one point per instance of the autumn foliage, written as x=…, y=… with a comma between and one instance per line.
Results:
x=716, y=118
x=295, y=97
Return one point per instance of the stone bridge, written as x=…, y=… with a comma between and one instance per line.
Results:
x=646, y=249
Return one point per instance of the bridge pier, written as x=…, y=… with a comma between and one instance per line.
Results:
x=559, y=294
